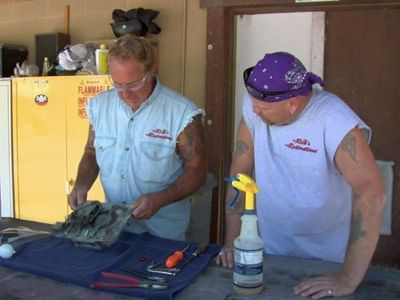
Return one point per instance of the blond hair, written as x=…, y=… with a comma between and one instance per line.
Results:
x=133, y=47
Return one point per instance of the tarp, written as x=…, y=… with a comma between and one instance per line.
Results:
x=58, y=258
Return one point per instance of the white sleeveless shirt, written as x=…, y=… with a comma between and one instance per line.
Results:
x=304, y=204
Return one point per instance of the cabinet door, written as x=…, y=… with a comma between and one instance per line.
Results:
x=79, y=90
x=39, y=148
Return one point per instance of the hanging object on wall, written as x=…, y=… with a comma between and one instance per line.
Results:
x=137, y=21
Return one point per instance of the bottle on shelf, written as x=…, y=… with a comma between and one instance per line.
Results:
x=101, y=59
x=248, y=274
x=46, y=66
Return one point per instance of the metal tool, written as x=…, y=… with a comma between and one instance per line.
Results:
x=166, y=271
x=173, y=271
x=7, y=235
x=146, y=275
x=174, y=259
x=201, y=248
x=13, y=234
x=127, y=282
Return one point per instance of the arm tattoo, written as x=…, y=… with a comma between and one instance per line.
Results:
x=365, y=134
x=356, y=232
x=349, y=145
x=187, y=150
x=189, y=147
x=240, y=148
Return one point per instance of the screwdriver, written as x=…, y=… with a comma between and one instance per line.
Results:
x=200, y=249
x=175, y=258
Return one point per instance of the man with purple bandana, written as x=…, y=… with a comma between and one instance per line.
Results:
x=321, y=195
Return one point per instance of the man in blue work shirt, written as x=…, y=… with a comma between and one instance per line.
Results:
x=146, y=141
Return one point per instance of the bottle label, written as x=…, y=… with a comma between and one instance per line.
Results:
x=248, y=268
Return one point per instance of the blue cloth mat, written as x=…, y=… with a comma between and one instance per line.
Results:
x=58, y=258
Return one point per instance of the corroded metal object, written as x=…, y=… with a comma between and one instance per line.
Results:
x=94, y=225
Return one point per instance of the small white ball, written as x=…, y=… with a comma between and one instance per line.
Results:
x=6, y=251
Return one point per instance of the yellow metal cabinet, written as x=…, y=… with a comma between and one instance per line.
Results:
x=50, y=129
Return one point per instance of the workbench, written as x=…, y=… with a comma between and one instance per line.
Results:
x=281, y=274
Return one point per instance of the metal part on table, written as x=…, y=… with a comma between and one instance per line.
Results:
x=94, y=225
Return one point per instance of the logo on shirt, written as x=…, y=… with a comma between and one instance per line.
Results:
x=159, y=134
x=302, y=145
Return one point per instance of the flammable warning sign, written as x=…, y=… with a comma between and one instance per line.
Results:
x=88, y=89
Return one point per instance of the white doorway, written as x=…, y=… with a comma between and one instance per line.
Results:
x=302, y=34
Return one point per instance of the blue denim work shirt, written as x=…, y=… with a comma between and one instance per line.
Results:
x=136, y=153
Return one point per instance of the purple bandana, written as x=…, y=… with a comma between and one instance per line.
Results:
x=279, y=76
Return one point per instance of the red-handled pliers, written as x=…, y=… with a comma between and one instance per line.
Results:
x=130, y=282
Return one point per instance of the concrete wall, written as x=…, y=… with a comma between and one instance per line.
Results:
x=182, y=41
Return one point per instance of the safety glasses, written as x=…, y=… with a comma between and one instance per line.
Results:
x=133, y=86
x=253, y=91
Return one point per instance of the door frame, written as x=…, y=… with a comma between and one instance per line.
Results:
x=219, y=101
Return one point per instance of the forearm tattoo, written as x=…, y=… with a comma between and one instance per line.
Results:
x=349, y=145
x=356, y=232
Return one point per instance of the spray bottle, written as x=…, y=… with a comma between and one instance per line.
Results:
x=248, y=246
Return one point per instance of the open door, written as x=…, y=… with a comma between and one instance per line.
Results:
x=360, y=60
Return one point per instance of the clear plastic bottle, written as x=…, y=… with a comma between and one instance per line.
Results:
x=46, y=66
x=101, y=59
x=248, y=275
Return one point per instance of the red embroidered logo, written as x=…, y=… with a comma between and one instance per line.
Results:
x=159, y=134
x=302, y=145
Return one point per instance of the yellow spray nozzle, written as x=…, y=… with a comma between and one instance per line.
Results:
x=246, y=184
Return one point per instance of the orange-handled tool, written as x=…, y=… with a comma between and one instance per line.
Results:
x=175, y=258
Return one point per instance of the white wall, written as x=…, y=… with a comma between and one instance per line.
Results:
x=6, y=182
x=301, y=34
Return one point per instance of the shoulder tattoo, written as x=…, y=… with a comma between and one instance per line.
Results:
x=191, y=141
x=240, y=148
x=348, y=144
